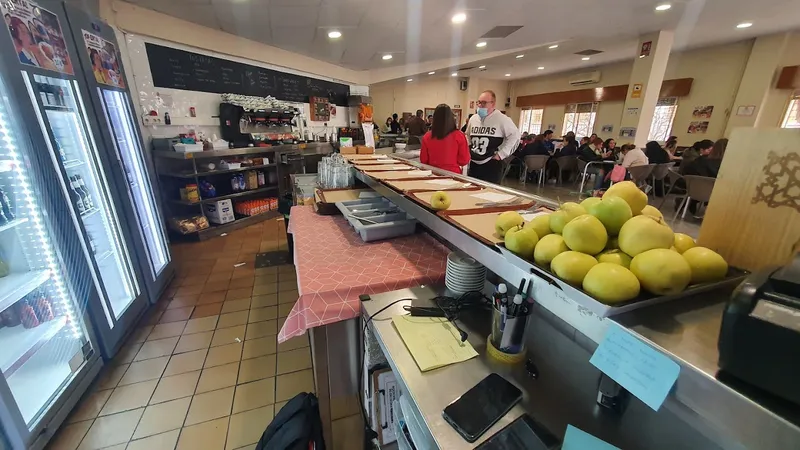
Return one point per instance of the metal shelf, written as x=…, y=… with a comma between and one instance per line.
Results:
x=73, y=163
x=17, y=285
x=216, y=230
x=208, y=154
x=184, y=202
x=215, y=172
x=57, y=108
x=13, y=224
x=239, y=194
x=20, y=343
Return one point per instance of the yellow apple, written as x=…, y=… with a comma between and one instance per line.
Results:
x=440, y=201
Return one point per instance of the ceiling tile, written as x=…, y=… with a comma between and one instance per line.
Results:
x=339, y=16
x=293, y=16
x=296, y=37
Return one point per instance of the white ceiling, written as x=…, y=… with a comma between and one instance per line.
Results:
x=420, y=31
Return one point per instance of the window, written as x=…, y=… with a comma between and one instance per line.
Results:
x=792, y=117
x=661, y=126
x=580, y=119
x=530, y=121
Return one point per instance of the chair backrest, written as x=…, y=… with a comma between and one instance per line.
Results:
x=699, y=188
x=639, y=173
x=567, y=162
x=581, y=165
x=536, y=162
x=660, y=171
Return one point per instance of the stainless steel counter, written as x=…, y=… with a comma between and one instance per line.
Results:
x=563, y=394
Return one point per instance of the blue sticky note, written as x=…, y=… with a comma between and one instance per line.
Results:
x=577, y=439
x=642, y=370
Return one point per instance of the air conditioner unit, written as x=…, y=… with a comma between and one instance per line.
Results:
x=585, y=78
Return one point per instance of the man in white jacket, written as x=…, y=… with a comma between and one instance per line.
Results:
x=492, y=137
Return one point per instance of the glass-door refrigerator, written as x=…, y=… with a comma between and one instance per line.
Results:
x=108, y=90
x=41, y=56
x=47, y=356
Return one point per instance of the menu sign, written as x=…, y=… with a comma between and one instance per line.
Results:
x=37, y=36
x=105, y=64
x=178, y=69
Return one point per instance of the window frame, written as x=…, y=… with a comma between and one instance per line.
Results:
x=792, y=107
x=527, y=124
x=664, y=133
x=574, y=109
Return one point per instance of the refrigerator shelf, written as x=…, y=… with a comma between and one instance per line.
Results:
x=20, y=343
x=57, y=108
x=90, y=213
x=240, y=194
x=73, y=163
x=103, y=256
x=17, y=285
x=13, y=224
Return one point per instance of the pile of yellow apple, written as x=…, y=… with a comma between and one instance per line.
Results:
x=612, y=246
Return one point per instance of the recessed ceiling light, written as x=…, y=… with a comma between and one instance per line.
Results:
x=454, y=74
x=508, y=74
x=410, y=79
x=540, y=68
x=585, y=58
x=387, y=57
x=335, y=34
x=553, y=46
x=663, y=7
x=431, y=73
x=481, y=67
x=745, y=25
x=520, y=56
x=459, y=18
x=481, y=44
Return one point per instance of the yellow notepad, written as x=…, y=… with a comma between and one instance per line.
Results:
x=433, y=341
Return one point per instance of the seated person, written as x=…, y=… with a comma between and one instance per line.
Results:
x=699, y=148
x=707, y=164
x=536, y=147
x=656, y=154
x=593, y=153
x=633, y=156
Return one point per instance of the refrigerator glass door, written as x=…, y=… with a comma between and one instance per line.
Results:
x=43, y=342
x=129, y=151
x=63, y=119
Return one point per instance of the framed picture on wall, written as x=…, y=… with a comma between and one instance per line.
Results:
x=428, y=112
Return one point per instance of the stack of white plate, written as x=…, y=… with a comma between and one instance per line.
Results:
x=464, y=274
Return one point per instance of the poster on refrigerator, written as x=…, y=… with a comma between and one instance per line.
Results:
x=105, y=64
x=37, y=36
x=698, y=127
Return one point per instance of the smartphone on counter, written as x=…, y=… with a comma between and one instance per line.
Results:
x=480, y=407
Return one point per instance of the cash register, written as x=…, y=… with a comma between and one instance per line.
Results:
x=759, y=342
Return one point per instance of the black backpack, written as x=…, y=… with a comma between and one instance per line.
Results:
x=297, y=426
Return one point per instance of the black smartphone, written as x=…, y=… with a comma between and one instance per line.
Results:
x=480, y=407
x=524, y=433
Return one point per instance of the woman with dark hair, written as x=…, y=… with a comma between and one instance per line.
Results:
x=671, y=145
x=610, y=147
x=444, y=146
x=698, y=149
x=707, y=164
x=656, y=154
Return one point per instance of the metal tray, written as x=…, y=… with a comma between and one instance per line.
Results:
x=644, y=299
x=390, y=221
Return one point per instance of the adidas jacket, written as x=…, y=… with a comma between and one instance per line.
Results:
x=497, y=133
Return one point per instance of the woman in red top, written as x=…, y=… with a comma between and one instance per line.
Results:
x=445, y=146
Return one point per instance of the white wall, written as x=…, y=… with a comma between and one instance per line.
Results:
x=778, y=99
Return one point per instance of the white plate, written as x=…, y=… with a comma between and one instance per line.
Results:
x=465, y=274
x=461, y=260
x=464, y=283
x=462, y=289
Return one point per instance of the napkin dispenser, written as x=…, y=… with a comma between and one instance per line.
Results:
x=759, y=341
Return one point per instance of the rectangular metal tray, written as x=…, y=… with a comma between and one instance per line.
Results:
x=600, y=309
x=393, y=222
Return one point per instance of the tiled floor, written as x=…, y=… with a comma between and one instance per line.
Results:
x=203, y=371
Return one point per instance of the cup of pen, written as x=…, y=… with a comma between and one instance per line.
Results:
x=507, y=341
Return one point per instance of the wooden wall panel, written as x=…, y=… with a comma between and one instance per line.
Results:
x=676, y=88
x=669, y=88
x=789, y=78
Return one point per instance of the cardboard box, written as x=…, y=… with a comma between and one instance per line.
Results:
x=364, y=150
x=381, y=393
x=219, y=212
x=348, y=150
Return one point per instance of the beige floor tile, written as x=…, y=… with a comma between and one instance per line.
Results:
x=262, y=314
x=127, y=353
x=212, y=297
x=288, y=296
x=347, y=433
x=256, y=368
x=202, y=324
x=194, y=280
x=247, y=427
x=294, y=343
x=216, y=286
x=224, y=354
x=267, y=278
x=291, y=384
x=235, y=305
x=287, y=285
x=126, y=398
x=259, y=347
x=294, y=360
x=284, y=309
x=261, y=301
x=162, y=417
x=212, y=309
x=243, y=272
x=218, y=377
x=286, y=268
x=233, y=319
x=210, y=405
x=225, y=336
x=238, y=294
x=220, y=275
x=140, y=334
x=167, y=330
x=206, y=436
x=254, y=395
x=176, y=386
x=90, y=406
x=163, y=441
x=183, y=301
x=189, y=289
x=266, y=271
x=151, y=318
x=149, y=369
x=157, y=348
x=261, y=329
x=192, y=342
x=186, y=362
x=264, y=289
x=243, y=282
x=69, y=437
x=110, y=376
x=111, y=430
x=176, y=315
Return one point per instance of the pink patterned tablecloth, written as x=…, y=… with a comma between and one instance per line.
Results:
x=334, y=267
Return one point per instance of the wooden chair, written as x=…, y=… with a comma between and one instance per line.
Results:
x=697, y=188
x=566, y=163
x=534, y=163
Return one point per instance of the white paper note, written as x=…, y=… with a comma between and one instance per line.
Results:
x=421, y=173
x=493, y=196
x=442, y=182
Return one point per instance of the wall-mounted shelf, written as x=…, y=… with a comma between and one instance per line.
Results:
x=215, y=172
x=240, y=194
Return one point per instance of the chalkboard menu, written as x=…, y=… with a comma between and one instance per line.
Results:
x=178, y=69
